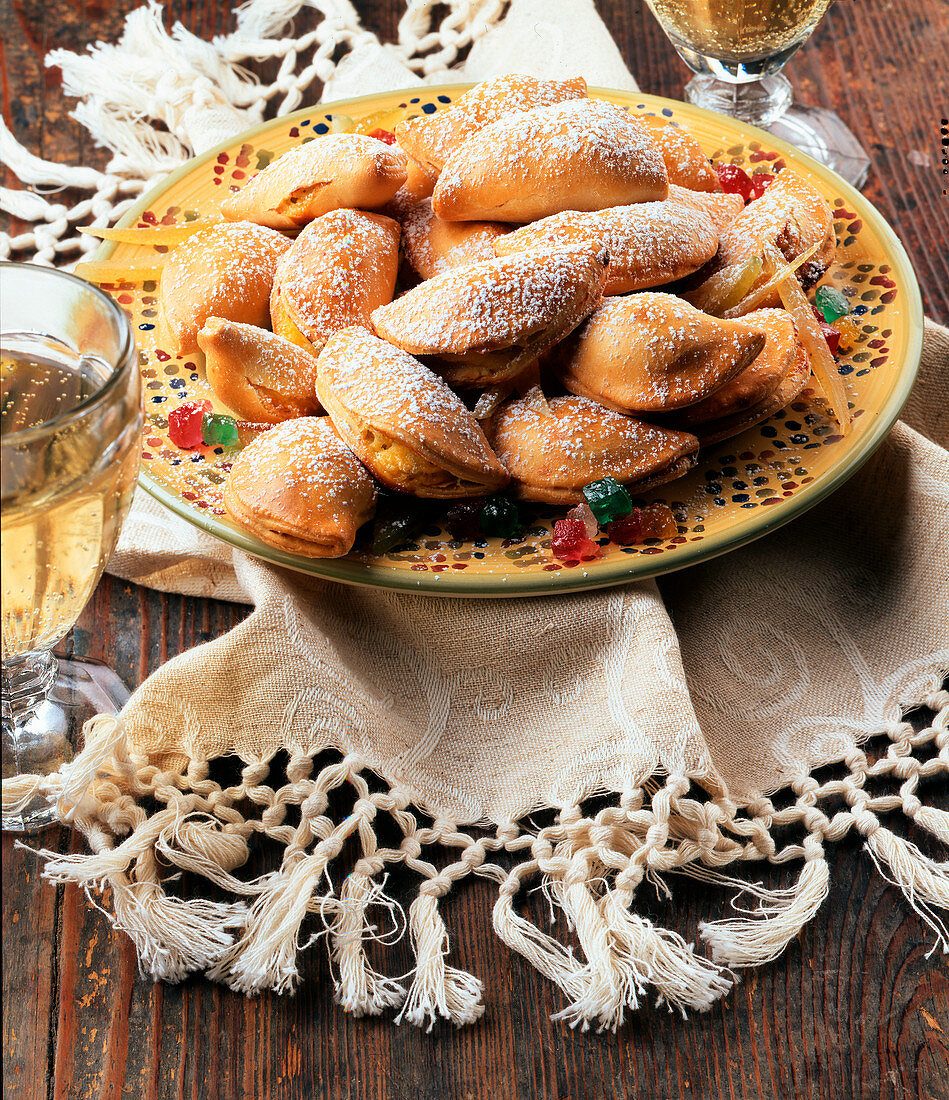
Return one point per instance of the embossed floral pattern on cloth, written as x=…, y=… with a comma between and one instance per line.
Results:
x=682, y=712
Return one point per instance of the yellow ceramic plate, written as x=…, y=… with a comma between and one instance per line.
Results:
x=739, y=490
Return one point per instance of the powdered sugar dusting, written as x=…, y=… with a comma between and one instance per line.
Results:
x=391, y=390
x=589, y=144
x=340, y=268
x=491, y=305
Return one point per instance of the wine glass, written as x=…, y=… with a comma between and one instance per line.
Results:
x=70, y=435
x=737, y=48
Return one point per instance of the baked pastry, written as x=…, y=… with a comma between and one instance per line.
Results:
x=340, y=268
x=652, y=353
x=432, y=246
x=686, y=163
x=756, y=382
x=793, y=216
x=489, y=321
x=721, y=206
x=298, y=487
x=333, y=172
x=403, y=422
x=552, y=455
x=226, y=271
x=791, y=386
x=649, y=243
x=431, y=139
x=581, y=155
x=259, y=375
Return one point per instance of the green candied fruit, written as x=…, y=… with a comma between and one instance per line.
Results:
x=218, y=430
x=831, y=303
x=608, y=500
x=499, y=518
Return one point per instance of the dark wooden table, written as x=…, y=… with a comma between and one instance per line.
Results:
x=855, y=1010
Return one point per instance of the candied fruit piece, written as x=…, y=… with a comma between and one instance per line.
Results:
x=627, y=530
x=760, y=183
x=735, y=181
x=184, y=424
x=608, y=499
x=848, y=330
x=658, y=522
x=463, y=520
x=583, y=513
x=831, y=335
x=396, y=521
x=218, y=430
x=831, y=303
x=499, y=517
x=570, y=541
x=382, y=135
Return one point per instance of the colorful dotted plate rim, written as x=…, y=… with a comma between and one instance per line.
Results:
x=422, y=569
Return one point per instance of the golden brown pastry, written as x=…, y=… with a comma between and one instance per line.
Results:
x=790, y=387
x=340, y=268
x=256, y=373
x=792, y=215
x=403, y=422
x=653, y=353
x=685, y=161
x=756, y=382
x=649, y=243
x=489, y=321
x=432, y=246
x=722, y=207
x=581, y=155
x=431, y=139
x=298, y=487
x=551, y=456
x=227, y=271
x=336, y=171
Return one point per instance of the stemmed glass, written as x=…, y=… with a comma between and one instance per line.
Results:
x=70, y=442
x=737, y=49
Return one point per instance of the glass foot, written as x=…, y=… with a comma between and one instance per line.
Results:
x=823, y=135
x=46, y=702
x=757, y=102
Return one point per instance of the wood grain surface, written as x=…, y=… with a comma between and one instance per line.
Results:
x=856, y=1009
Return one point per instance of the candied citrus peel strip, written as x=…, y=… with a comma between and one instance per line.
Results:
x=726, y=288
x=125, y=271
x=151, y=234
x=780, y=272
x=823, y=366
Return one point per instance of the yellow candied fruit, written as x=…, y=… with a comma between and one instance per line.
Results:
x=848, y=330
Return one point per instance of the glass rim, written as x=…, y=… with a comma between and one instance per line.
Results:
x=125, y=357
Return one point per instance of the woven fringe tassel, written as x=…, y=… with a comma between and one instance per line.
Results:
x=924, y=882
x=360, y=989
x=266, y=956
x=173, y=938
x=934, y=821
x=543, y=952
x=750, y=941
x=437, y=990
x=646, y=955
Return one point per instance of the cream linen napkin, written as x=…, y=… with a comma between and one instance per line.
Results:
x=784, y=657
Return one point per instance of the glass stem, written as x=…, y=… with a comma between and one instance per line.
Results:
x=758, y=102
x=26, y=682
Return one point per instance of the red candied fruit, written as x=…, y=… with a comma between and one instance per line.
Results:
x=382, y=135
x=571, y=543
x=184, y=424
x=831, y=335
x=760, y=183
x=628, y=529
x=735, y=181
x=463, y=521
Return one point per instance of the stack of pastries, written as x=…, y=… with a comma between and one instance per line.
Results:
x=490, y=302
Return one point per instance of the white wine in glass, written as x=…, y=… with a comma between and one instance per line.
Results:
x=71, y=418
x=737, y=48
